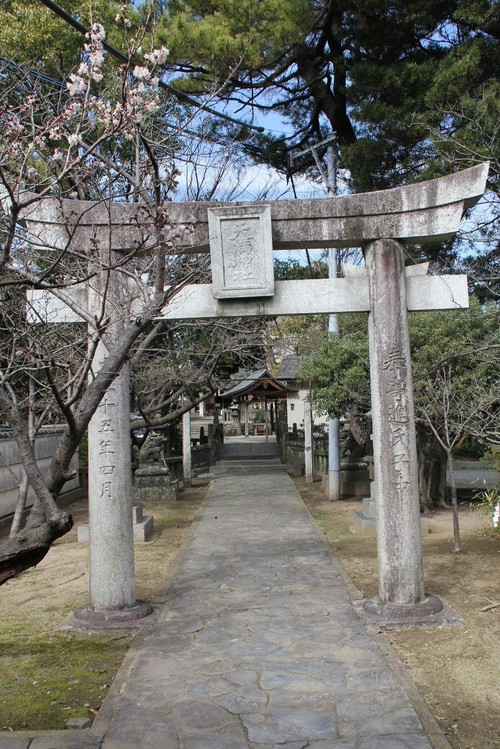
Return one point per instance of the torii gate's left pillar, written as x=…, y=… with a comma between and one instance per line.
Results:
x=111, y=552
x=111, y=540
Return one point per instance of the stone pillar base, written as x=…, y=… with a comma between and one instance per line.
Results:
x=406, y=613
x=366, y=525
x=142, y=526
x=135, y=616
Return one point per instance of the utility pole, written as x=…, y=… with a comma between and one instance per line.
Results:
x=330, y=181
x=333, y=329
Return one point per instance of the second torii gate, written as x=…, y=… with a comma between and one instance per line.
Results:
x=241, y=238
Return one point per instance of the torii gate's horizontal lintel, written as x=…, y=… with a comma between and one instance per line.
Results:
x=316, y=297
x=422, y=212
x=313, y=296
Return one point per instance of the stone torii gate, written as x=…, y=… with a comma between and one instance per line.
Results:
x=241, y=238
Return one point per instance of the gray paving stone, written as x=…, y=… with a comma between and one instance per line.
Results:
x=376, y=713
x=11, y=741
x=66, y=740
x=368, y=680
x=286, y=745
x=410, y=741
x=242, y=677
x=77, y=723
x=213, y=741
x=247, y=699
x=201, y=714
x=288, y=725
x=334, y=744
x=134, y=728
x=209, y=686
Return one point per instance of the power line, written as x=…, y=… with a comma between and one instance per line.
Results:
x=61, y=85
x=123, y=58
x=11, y=65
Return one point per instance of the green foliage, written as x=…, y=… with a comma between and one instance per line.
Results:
x=33, y=35
x=83, y=451
x=391, y=81
x=410, y=90
x=339, y=369
x=220, y=34
x=287, y=270
x=457, y=373
x=487, y=500
x=293, y=270
x=437, y=336
x=302, y=334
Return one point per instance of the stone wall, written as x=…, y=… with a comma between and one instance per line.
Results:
x=11, y=470
x=354, y=478
x=201, y=457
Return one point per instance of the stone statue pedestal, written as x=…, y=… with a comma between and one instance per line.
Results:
x=154, y=482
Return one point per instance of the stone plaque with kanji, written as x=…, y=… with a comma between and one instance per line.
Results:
x=241, y=251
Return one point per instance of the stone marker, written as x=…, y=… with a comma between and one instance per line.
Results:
x=241, y=249
x=111, y=534
x=401, y=578
x=245, y=419
x=154, y=482
x=308, y=442
x=186, y=449
x=142, y=526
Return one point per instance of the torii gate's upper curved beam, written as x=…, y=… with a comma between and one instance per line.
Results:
x=421, y=212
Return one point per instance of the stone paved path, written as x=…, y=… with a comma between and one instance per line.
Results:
x=260, y=647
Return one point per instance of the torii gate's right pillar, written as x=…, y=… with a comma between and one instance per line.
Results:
x=401, y=575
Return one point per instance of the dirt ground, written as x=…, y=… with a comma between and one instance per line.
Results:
x=456, y=669
x=47, y=677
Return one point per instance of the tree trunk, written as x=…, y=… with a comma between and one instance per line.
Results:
x=30, y=545
x=20, y=506
x=432, y=470
x=24, y=485
x=454, y=503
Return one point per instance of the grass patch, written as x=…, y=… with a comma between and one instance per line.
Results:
x=53, y=678
x=334, y=531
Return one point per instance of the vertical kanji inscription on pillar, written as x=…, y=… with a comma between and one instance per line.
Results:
x=394, y=439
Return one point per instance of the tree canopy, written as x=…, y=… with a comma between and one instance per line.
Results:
x=388, y=80
x=467, y=339
x=409, y=90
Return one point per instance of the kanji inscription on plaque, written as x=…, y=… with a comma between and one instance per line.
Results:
x=241, y=251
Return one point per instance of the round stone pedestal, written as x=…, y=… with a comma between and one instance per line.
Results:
x=134, y=616
x=404, y=612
